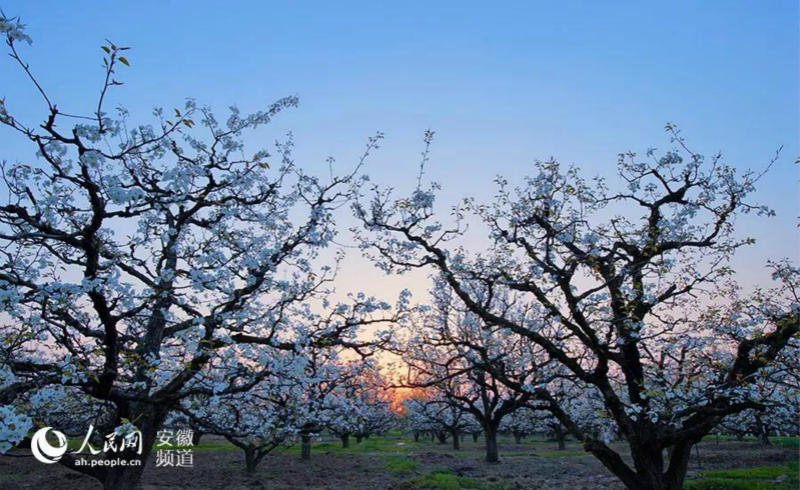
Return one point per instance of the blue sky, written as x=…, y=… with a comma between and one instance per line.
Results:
x=501, y=85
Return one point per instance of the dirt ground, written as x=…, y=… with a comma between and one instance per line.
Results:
x=530, y=466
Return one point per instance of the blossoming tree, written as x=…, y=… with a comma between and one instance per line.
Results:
x=469, y=365
x=138, y=260
x=624, y=270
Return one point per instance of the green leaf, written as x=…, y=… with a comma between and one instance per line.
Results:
x=106, y=49
x=124, y=61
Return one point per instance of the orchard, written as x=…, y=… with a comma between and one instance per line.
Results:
x=172, y=315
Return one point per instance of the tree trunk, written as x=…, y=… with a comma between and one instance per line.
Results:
x=561, y=436
x=456, y=440
x=517, y=438
x=648, y=473
x=359, y=438
x=475, y=436
x=149, y=420
x=250, y=460
x=649, y=465
x=613, y=462
x=416, y=436
x=490, y=434
x=305, y=447
x=442, y=437
x=345, y=440
x=678, y=464
x=196, y=435
x=762, y=431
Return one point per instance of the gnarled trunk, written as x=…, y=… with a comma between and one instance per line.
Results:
x=456, y=440
x=345, y=440
x=649, y=472
x=148, y=421
x=251, y=459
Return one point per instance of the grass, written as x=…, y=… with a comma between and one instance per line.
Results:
x=393, y=451
x=757, y=472
x=378, y=445
x=371, y=445
x=212, y=446
x=561, y=454
x=394, y=442
x=786, y=441
x=783, y=441
x=758, y=478
x=400, y=464
x=444, y=479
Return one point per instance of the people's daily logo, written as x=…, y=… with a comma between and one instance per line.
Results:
x=43, y=450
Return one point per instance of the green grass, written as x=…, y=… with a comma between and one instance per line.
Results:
x=757, y=472
x=734, y=484
x=786, y=441
x=400, y=464
x=444, y=479
x=371, y=445
x=783, y=441
x=561, y=454
x=758, y=478
x=396, y=442
x=212, y=446
x=379, y=445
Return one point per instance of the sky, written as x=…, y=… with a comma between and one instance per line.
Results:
x=501, y=85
